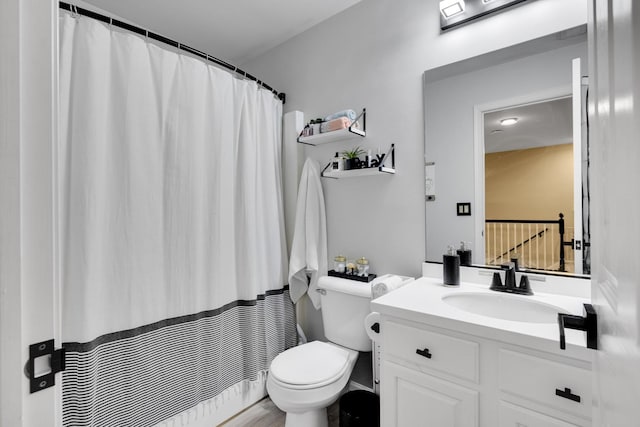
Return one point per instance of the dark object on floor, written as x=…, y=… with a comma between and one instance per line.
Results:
x=360, y=408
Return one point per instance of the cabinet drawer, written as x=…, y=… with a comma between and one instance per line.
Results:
x=516, y=416
x=432, y=350
x=554, y=384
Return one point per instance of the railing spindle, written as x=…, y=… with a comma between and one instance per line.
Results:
x=509, y=242
x=553, y=248
x=544, y=249
x=529, y=232
x=496, y=246
x=502, y=245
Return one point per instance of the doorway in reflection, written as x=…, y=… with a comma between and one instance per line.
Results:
x=529, y=185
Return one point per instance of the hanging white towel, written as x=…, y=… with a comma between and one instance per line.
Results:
x=309, y=248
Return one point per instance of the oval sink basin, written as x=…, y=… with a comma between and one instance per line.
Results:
x=504, y=306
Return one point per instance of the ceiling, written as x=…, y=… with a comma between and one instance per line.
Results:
x=232, y=30
x=539, y=125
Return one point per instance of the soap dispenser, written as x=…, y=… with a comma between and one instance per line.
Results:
x=451, y=267
x=465, y=253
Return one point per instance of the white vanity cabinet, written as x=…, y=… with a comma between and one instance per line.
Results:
x=437, y=377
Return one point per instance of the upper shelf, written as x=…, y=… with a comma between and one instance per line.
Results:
x=351, y=132
x=336, y=135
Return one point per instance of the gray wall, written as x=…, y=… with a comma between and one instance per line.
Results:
x=373, y=55
x=449, y=128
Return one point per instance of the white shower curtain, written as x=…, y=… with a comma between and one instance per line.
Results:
x=173, y=245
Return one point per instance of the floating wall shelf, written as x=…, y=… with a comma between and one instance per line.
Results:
x=327, y=172
x=353, y=173
x=351, y=132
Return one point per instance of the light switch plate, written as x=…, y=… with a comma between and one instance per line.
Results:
x=464, y=209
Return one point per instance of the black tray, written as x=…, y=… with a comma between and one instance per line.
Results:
x=352, y=276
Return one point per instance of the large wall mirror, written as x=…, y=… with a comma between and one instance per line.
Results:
x=506, y=155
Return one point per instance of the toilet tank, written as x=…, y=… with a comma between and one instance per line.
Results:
x=345, y=304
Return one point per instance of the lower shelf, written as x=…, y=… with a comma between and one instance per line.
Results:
x=330, y=173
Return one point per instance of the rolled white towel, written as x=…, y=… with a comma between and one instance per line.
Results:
x=386, y=284
x=350, y=114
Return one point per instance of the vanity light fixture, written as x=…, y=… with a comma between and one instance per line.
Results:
x=449, y=8
x=510, y=121
x=458, y=12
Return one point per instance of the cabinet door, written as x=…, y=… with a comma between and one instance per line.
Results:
x=517, y=416
x=410, y=398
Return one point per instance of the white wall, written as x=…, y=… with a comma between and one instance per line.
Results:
x=373, y=55
x=449, y=129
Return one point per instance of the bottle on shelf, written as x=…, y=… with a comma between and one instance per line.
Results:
x=338, y=163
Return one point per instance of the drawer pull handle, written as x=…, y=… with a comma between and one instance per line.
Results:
x=424, y=353
x=568, y=395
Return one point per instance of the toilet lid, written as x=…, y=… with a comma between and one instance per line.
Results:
x=312, y=363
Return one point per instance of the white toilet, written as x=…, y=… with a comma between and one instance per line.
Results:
x=304, y=380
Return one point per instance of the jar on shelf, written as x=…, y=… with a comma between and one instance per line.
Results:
x=340, y=264
x=363, y=267
x=351, y=267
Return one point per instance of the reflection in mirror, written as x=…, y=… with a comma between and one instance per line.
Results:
x=507, y=178
x=529, y=156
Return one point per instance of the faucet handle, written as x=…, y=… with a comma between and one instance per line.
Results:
x=525, y=287
x=496, y=282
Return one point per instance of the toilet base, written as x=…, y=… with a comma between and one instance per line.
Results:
x=313, y=418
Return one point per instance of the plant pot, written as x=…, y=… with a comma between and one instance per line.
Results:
x=352, y=163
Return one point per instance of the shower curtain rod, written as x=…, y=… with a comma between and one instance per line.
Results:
x=111, y=21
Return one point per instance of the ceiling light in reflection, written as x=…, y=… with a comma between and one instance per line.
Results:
x=509, y=121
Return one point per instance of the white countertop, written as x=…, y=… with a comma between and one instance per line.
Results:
x=421, y=301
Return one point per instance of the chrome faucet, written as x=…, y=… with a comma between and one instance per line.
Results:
x=510, y=270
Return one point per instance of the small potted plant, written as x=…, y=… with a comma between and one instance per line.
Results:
x=351, y=159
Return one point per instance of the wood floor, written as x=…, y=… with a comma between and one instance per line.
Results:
x=266, y=414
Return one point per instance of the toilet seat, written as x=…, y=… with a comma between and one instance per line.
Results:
x=310, y=365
